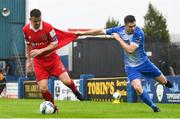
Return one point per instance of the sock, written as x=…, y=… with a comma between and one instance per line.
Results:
x=72, y=86
x=145, y=97
x=48, y=97
x=169, y=84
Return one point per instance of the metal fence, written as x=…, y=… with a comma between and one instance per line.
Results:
x=103, y=57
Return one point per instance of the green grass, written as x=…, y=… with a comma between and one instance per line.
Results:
x=28, y=108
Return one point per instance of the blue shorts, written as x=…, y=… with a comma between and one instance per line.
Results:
x=147, y=69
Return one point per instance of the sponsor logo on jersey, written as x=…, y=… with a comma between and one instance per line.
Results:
x=40, y=43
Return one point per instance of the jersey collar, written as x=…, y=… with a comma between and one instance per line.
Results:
x=36, y=30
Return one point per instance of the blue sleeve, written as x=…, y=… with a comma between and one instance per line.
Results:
x=112, y=30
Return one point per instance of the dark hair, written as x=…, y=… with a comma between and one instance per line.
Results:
x=35, y=13
x=129, y=19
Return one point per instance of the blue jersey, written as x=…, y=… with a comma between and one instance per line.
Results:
x=137, y=38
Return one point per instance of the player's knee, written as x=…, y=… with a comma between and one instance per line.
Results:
x=137, y=88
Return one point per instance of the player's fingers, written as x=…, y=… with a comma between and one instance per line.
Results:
x=33, y=53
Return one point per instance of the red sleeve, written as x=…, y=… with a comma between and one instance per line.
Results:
x=25, y=33
x=51, y=33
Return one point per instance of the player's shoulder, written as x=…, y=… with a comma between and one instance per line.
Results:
x=121, y=28
x=46, y=24
x=26, y=27
x=139, y=31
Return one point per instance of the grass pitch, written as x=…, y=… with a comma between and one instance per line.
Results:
x=29, y=108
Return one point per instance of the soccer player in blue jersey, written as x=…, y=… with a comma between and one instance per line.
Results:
x=137, y=64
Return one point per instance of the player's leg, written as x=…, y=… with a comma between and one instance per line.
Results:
x=134, y=77
x=42, y=80
x=60, y=71
x=151, y=71
x=136, y=83
x=2, y=81
x=64, y=77
x=43, y=87
x=162, y=79
x=2, y=85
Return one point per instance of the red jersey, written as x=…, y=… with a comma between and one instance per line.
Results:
x=40, y=38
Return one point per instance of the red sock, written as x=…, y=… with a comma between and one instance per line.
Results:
x=72, y=86
x=48, y=97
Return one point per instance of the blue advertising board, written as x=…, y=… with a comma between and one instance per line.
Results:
x=160, y=93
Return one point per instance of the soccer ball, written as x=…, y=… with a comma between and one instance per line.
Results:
x=46, y=107
x=116, y=95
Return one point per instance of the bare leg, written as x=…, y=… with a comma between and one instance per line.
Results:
x=64, y=77
x=162, y=79
x=137, y=86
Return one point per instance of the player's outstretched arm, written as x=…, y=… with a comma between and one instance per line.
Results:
x=91, y=32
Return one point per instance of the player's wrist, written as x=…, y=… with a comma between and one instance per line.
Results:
x=28, y=60
x=41, y=50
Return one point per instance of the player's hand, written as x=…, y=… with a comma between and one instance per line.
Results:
x=29, y=68
x=35, y=52
x=116, y=36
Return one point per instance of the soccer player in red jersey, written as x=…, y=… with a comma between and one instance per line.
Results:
x=41, y=43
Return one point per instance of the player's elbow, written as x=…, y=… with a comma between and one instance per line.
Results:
x=54, y=45
x=130, y=50
x=101, y=32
